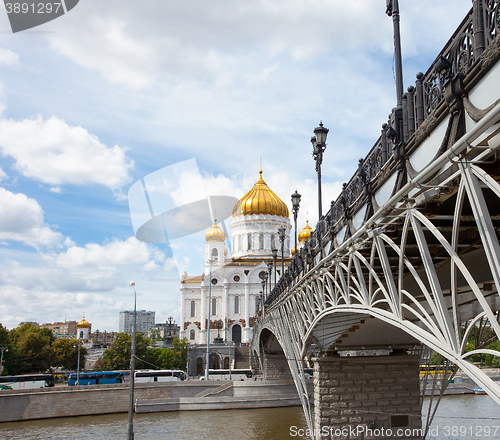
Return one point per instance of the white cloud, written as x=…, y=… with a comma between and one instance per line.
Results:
x=116, y=54
x=8, y=58
x=21, y=219
x=93, y=278
x=107, y=256
x=219, y=42
x=53, y=152
x=2, y=174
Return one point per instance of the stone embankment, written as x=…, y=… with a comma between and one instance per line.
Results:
x=60, y=401
x=461, y=383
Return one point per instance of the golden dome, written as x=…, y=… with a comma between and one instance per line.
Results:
x=306, y=232
x=292, y=251
x=215, y=233
x=225, y=251
x=260, y=200
x=83, y=324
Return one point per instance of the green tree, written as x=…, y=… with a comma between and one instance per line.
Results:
x=117, y=355
x=180, y=353
x=8, y=354
x=32, y=349
x=174, y=358
x=66, y=354
x=489, y=359
x=100, y=365
x=34, y=352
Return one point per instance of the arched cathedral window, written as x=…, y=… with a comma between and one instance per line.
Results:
x=191, y=334
x=261, y=241
x=249, y=242
x=193, y=308
x=236, y=305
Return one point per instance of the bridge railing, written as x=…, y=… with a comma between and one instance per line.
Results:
x=460, y=55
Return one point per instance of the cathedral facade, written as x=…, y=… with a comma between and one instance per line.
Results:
x=234, y=283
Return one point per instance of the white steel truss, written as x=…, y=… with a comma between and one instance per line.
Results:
x=423, y=279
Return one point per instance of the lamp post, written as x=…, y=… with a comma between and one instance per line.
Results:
x=262, y=297
x=319, y=145
x=130, y=430
x=295, y=206
x=281, y=234
x=169, y=338
x=270, y=272
x=1, y=358
x=275, y=255
x=208, y=320
x=78, y=364
x=393, y=11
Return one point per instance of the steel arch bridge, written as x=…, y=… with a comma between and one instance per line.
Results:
x=409, y=253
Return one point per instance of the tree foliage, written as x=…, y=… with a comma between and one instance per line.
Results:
x=117, y=355
x=33, y=351
x=9, y=353
x=174, y=358
x=66, y=354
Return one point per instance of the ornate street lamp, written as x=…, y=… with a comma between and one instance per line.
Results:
x=295, y=206
x=130, y=431
x=269, y=273
x=262, y=297
x=319, y=145
x=208, y=320
x=281, y=235
x=170, y=323
x=393, y=11
x=275, y=255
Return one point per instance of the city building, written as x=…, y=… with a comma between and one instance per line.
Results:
x=234, y=283
x=145, y=320
x=66, y=329
x=104, y=338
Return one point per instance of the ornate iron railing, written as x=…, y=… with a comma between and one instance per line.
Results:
x=460, y=55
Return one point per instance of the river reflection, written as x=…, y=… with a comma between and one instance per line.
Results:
x=261, y=424
x=470, y=413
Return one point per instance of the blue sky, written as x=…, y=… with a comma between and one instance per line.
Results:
x=115, y=90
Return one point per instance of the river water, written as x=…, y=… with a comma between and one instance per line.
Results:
x=459, y=417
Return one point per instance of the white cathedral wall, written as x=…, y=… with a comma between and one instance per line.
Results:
x=243, y=227
x=247, y=289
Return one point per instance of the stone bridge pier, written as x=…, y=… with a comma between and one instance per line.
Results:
x=276, y=367
x=364, y=397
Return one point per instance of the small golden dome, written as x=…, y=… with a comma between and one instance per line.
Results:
x=83, y=324
x=292, y=251
x=306, y=232
x=260, y=200
x=215, y=233
x=225, y=251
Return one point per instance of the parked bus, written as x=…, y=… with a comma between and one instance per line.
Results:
x=97, y=377
x=226, y=374
x=26, y=381
x=159, y=375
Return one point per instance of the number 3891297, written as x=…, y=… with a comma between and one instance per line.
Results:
x=32, y=8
